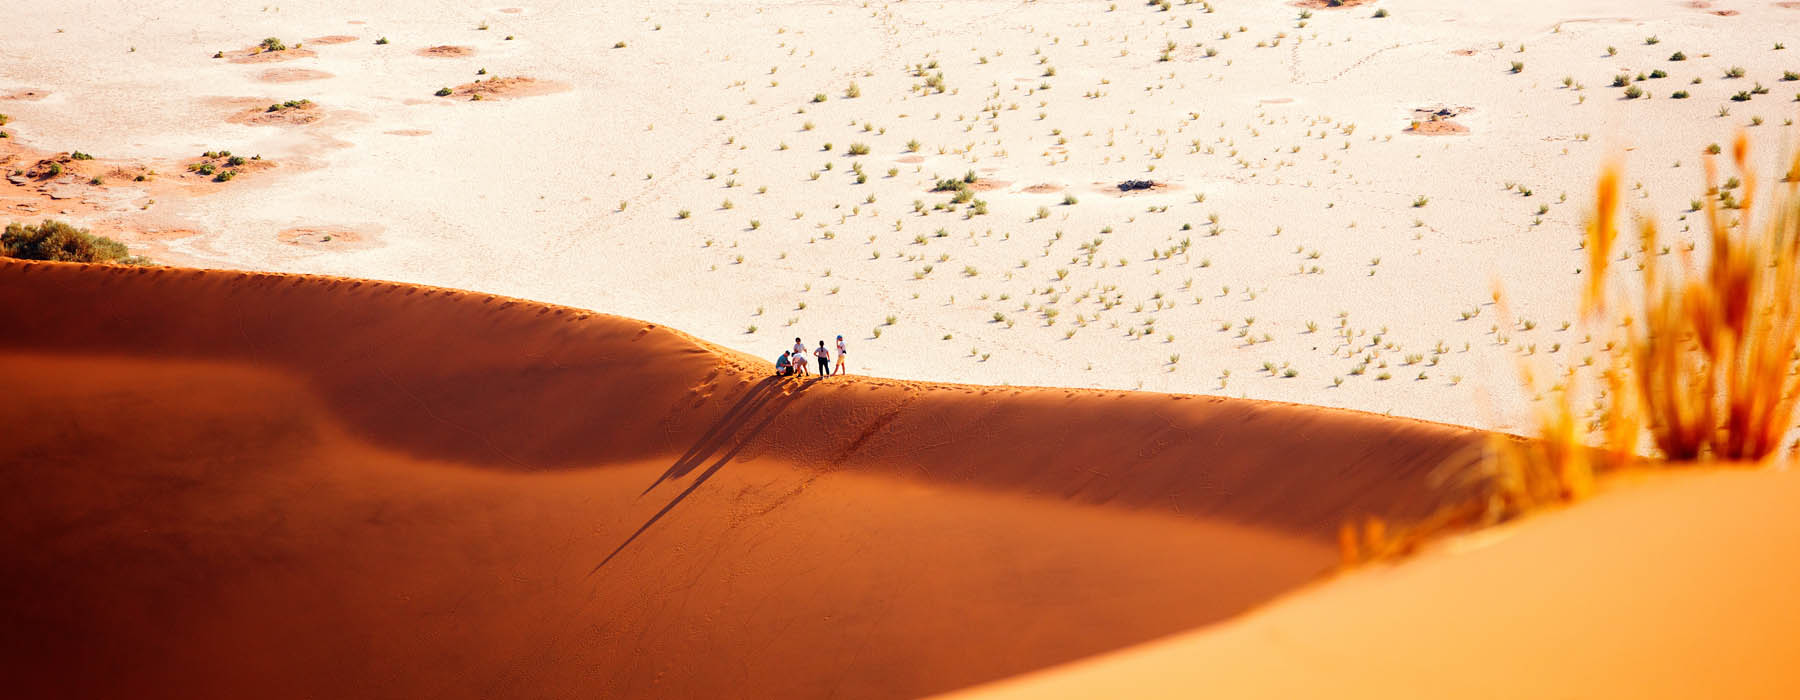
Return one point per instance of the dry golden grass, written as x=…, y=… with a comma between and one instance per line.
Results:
x=1700, y=362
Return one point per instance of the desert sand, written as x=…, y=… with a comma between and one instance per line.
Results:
x=455, y=382
x=1298, y=133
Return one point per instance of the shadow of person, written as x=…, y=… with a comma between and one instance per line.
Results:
x=752, y=414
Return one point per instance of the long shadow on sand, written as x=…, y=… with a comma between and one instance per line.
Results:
x=762, y=404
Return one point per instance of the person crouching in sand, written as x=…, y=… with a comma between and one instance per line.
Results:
x=799, y=357
x=784, y=365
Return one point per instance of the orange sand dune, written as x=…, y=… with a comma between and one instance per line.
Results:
x=222, y=484
x=1681, y=587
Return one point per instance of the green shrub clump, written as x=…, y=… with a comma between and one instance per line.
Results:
x=56, y=240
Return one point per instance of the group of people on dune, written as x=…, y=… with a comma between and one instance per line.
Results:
x=793, y=363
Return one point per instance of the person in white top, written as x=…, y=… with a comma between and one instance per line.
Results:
x=840, y=357
x=799, y=357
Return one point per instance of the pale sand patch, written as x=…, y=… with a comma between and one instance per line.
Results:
x=330, y=237
x=1329, y=4
x=332, y=39
x=446, y=51
x=408, y=132
x=292, y=75
x=1044, y=188
x=26, y=95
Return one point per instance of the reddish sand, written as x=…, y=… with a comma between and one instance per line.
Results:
x=515, y=86
x=1438, y=127
x=256, y=54
x=446, y=51
x=287, y=116
x=257, y=485
x=291, y=75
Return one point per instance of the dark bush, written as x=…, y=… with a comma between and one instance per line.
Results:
x=56, y=240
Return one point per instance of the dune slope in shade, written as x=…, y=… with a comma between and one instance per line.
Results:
x=222, y=484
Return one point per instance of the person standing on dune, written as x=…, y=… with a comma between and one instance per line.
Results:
x=824, y=359
x=840, y=358
x=799, y=357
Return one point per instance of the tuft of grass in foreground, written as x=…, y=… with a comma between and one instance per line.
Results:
x=1704, y=365
x=1701, y=364
x=57, y=240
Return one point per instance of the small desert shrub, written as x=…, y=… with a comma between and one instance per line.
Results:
x=57, y=240
x=683, y=214
x=1381, y=12
x=853, y=91
x=384, y=40
x=1678, y=56
x=442, y=92
x=225, y=176
x=859, y=149
x=818, y=97
x=78, y=155
x=1633, y=92
x=1734, y=72
x=273, y=44
x=1518, y=66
